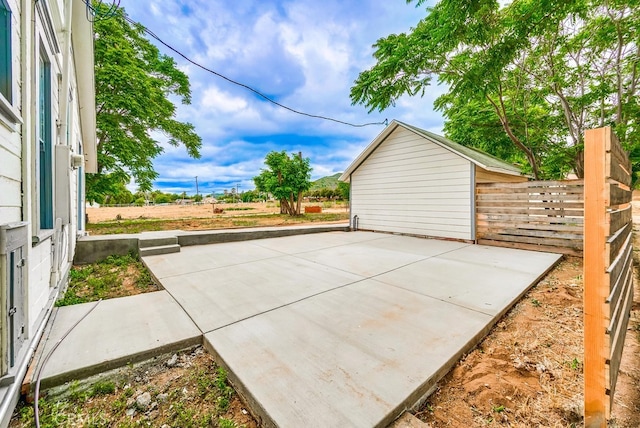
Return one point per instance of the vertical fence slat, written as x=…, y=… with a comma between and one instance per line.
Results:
x=596, y=261
x=608, y=269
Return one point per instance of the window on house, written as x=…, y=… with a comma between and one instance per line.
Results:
x=5, y=50
x=45, y=167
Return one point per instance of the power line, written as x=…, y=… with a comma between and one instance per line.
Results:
x=255, y=91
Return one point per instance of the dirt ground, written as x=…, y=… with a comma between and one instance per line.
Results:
x=528, y=371
x=182, y=390
x=173, y=211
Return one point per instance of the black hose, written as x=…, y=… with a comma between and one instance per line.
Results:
x=46, y=359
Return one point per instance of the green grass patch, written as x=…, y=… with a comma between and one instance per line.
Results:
x=116, y=276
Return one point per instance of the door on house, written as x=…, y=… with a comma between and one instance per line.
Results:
x=15, y=303
x=13, y=254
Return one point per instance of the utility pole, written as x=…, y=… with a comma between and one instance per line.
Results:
x=196, y=187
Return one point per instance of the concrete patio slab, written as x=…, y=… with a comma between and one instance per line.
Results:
x=322, y=330
x=205, y=257
x=217, y=297
x=361, y=258
x=348, y=357
x=302, y=243
x=118, y=331
x=351, y=350
x=461, y=281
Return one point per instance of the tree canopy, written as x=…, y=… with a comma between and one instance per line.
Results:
x=525, y=81
x=133, y=84
x=286, y=178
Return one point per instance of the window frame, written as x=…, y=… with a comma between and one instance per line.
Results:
x=44, y=143
x=9, y=115
x=6, y=71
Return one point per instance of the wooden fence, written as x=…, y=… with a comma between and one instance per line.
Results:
x=534, y=215
x=608, y=270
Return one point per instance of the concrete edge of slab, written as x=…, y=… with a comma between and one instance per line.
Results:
x=91, y=249
x=422, y=393
x=104, y=366
x=118, y=374
x=257, y=410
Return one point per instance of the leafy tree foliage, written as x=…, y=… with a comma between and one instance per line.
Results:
x=133, y=85
x=286, y=178
x=344, y=190
x=525, y=80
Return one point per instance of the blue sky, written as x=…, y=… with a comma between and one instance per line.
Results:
x=303, y=53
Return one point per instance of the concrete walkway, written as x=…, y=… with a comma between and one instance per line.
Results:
x=329, y=329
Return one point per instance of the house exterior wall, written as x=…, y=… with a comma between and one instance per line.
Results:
x=410, y=185
x=10, y=141
x=38, y=30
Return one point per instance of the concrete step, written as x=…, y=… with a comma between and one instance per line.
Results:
x=160, y=249
x=157, y=242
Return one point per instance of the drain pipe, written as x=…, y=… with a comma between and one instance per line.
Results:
x=64, y=91
x=354, y=224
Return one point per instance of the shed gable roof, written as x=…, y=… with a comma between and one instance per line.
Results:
x=482, y=159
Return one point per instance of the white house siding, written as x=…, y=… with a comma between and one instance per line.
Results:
x=10, y=143
x=42, y=23
x=410, y=185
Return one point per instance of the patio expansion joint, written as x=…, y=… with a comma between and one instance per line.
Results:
x=371, y=277
x=438, y=299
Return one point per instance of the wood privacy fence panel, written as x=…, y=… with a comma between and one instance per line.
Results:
x=608, y=270
x=533, y=215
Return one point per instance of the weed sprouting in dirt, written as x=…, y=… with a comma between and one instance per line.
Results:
x=193, y=393
x=116, y=276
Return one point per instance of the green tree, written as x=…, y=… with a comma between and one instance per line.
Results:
x=343, y=190
x=286, y=178
x=543, y=71
x=133, y=85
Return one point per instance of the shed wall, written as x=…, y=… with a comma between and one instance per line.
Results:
x=413, y=186
x=484, y=176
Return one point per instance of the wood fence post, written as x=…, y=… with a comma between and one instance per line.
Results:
x=596, y=262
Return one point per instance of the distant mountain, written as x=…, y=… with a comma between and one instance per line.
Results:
x=330, y=182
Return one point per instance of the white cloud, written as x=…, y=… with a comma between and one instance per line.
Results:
x=304, y=54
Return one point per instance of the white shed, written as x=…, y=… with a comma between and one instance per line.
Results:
x=414, y=182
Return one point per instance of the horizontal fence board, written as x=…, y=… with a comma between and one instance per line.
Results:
x=504, y=190
x=619, y=218
x=617, y=306
x=532, y=184
x=533, y=247
x=551, y=234
x=548, y=242
x=617, y=343
x=617, y=172
x=619, y=155
x=576, y=229
x=619, y=269
x=548, y=205
x=532, y=211
x=618, y=195
x=616, y=241
x=617, y=296
x=542, y=197
x=531, y=219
